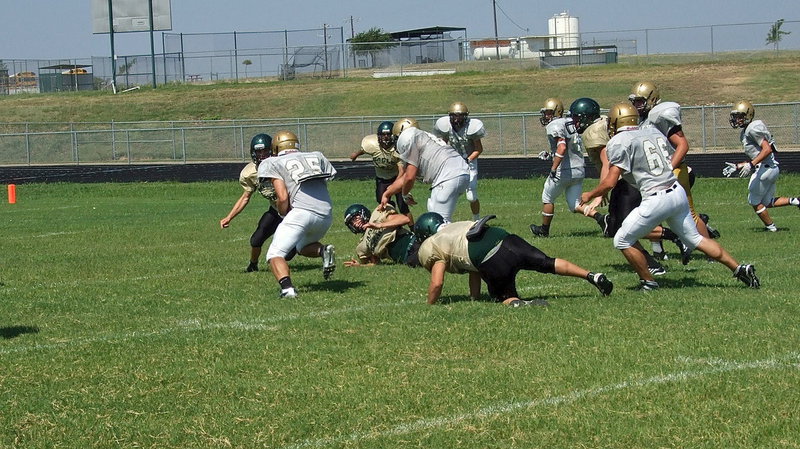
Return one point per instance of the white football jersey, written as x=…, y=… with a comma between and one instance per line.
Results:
x=752, y=136
x=572, y=164
x=641, y=154
x=463, y=140
x=435, y=160
x=305, y=176
x=664, y=117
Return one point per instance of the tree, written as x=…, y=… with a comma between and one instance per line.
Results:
x=246, y=63
x=775, y=34
x=371, y=42
x=125, y=69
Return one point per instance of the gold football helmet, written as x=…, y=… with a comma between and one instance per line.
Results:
x=645, y=95
x=620, y=115
x=742, y=114
x=553, y=107
x=458, y=108
x=284, y=140
x=458, y=115
x=402, y=124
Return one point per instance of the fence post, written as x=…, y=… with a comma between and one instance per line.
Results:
x=241, y=142
x=28, y=142
x=128, y=143
x=714, y=124
x=183, y=143
x=524, y=136
x=703, y=125
x=74, y=139
x=500, y=129
x=172, y=131
x=28, y=145
x=113, y=143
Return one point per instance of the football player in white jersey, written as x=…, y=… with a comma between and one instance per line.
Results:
x=300, y=180
x=388, y=166
x=435, y=162
x=567, y=169
x=761, y=165
x=464, y=134
x=665, y=116
x=260, y=148
x=490, y=254
x=586, y=119
x=639, y=156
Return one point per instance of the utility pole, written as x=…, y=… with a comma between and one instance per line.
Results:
x=352, y=35
x=496, y=41
x=152, y=44
x=113, y=54
x=325, y=41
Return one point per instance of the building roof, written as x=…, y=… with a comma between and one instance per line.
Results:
x=66, y=66
x=434, y=32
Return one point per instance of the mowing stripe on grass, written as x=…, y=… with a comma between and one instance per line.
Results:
x=266, y=325
x=790, y=361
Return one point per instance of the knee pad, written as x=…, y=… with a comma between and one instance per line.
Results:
x=472, y=196
x=258, y=238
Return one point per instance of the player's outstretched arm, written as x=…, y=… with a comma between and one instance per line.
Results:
x=437, y=282
x=239, y=206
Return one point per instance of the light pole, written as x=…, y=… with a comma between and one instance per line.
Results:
x=496, y=41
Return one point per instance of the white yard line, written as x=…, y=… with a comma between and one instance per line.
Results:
x=716, y=366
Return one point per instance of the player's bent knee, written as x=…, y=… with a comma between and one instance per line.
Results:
x=621, y=243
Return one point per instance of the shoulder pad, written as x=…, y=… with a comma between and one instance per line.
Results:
x=475, y=129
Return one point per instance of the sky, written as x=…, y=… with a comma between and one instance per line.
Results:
x=62, y=29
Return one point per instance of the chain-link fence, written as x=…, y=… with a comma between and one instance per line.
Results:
x=508, y=134
x=325, y=52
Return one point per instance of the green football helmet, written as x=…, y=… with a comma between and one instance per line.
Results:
x=427, y=224
x=356, y=211
x=583, y=112
x=385, y=137
x=260, y=147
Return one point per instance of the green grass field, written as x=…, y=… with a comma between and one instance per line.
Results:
x=484, y=86
x=128, y=321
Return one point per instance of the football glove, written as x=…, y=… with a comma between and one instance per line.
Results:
x=545, y=156
x=729, y=169
x=746, y=169
x=553, y=175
